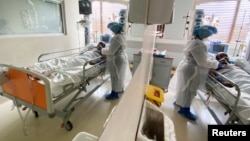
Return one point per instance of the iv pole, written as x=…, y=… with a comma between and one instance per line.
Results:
x=239, y=35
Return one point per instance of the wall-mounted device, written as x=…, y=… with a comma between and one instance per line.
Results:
x=122, y=15
x=194, y=19
x=198, y=18
x=85, y=7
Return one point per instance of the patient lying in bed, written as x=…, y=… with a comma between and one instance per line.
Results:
x=66, y=72
x=69, y=63
x=223, y=59
x=238, y=66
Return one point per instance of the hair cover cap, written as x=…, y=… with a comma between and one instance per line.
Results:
x=115, y=27
x=204, y=31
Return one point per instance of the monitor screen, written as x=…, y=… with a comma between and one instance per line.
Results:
x=105, y=38
x=218, y=47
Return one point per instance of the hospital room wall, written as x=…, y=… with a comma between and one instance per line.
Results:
x=174, y=39
x=24, y=50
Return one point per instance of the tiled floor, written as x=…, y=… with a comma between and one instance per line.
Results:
x=91, y=116
x=187, y=130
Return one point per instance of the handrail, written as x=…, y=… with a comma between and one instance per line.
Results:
x=87, y=62
x=237, y=97
x=50, y=108
x=55, y=52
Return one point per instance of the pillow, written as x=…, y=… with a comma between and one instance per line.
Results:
x=211, y=56
x=243, y=64
x=87, y=48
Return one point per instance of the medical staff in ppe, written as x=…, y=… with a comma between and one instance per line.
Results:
x=188, y=73
x=117, y=56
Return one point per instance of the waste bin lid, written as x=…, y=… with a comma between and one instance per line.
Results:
x=155, y=93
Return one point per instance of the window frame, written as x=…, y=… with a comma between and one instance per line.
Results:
x=28, y=33
x=239, y=28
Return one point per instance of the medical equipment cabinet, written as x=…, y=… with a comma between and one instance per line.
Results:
x=161, y=70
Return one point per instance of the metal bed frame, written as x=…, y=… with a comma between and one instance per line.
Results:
x=31, y=90
x=214, y=89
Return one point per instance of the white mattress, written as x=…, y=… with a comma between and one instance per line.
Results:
x=70, y=78
x=67, y=70
x=242, y=79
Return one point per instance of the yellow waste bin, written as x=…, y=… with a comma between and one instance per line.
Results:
x=154, y=94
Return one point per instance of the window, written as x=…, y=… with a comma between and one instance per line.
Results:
x=103, y=13
x=232, y=19
x=160, y=30
x=31, y=17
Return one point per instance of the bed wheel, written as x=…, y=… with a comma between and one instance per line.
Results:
x=68, y=126
x=36, y=114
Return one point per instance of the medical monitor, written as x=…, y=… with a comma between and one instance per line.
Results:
x=215, y=48
x=105, y=38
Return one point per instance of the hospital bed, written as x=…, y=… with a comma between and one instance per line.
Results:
x=57, y=93
x=235, y=99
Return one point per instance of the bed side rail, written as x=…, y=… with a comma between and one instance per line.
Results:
x=30, y=87
x=3, y=77
x=235, y=96
x=99, y=60
x=56, y=54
